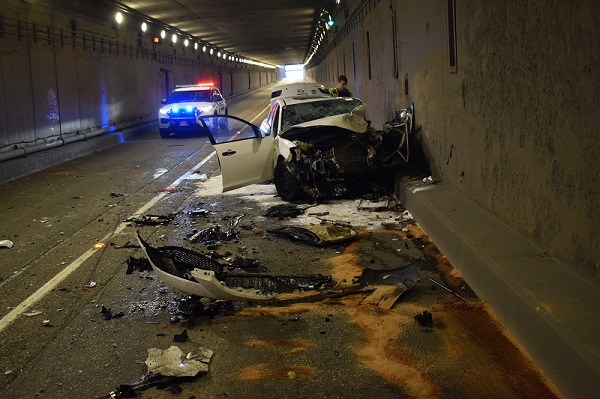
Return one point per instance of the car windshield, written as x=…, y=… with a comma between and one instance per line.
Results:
x=294, y=114
x=190, y=96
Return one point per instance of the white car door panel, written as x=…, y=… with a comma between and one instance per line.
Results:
x=245, y=155
x=245, y=162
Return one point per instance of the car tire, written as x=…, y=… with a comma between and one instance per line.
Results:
x=286, y=182
x=164, y=133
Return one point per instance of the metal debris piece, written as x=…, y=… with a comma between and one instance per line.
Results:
x=150, y=219
x=318, y=235
x=172, y=362
x=446, y=288
x=47, y=323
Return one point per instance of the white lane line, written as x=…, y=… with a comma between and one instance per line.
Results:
x=260, y=113
x=53, y=282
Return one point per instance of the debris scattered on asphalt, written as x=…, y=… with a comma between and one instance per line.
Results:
x=6, y=244
x=425, y=319
x=318, y=235
x=47, y=323
x=447, y=289
x=181, y=337
x=150, y=219
x=92, y=284
x=108, y=314
x=33, y=313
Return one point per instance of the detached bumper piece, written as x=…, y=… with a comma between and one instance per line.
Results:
x=197, y=274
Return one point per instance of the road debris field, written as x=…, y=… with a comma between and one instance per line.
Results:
x=211, y=295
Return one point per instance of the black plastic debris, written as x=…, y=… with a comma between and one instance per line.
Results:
x=137, y=264
x=108, y=314
x=425, y=319
x=283, y=211
x=181, y=337
x=318, y=235
x=150, y=219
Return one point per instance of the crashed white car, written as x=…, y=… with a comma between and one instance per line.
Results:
x=322, y=148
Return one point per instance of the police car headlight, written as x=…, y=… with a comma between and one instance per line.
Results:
x=163, y=112
x=205, y=109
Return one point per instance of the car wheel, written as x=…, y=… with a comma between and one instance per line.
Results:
x=286, y=182
x=164, y=133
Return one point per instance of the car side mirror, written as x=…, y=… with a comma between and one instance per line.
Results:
x=163, y=101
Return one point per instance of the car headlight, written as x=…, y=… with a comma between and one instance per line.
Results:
x=205, y=109
x=163, y=112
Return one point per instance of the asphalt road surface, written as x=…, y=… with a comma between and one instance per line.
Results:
x=72, y=245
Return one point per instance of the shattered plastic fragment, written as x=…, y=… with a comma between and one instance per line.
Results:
x=33, y=313
x=6, y=244
x=150, y=219
x=170, y=363
x=47, y=323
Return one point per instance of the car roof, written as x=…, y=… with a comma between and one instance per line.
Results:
x=299, y=89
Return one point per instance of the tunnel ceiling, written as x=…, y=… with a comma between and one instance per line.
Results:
x=276, y=32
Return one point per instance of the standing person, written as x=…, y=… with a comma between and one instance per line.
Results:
x=340, y=90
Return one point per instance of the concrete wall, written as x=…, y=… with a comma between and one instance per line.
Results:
x=65, y=67
x=511, y=124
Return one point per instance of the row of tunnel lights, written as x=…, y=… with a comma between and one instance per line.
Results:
x=320, y=32
x=186, y=42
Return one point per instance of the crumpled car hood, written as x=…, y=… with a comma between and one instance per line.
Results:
x=355, y=121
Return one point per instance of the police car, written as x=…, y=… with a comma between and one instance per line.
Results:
x=186, y=105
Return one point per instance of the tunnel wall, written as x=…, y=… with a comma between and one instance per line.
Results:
x=509, y=121
x=66, y=67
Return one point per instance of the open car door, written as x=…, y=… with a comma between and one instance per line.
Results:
x=246, y=156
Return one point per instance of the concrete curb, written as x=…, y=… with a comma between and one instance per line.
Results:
x=552, y=311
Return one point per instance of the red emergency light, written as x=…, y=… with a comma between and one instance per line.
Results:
x=157, y=39
x=206, y=84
